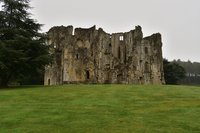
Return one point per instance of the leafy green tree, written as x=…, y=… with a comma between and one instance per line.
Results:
x=22, y=48
x=173, y=72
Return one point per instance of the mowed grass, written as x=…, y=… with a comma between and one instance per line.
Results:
x=100, y=109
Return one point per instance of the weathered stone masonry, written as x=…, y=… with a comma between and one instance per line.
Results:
x=94, y=56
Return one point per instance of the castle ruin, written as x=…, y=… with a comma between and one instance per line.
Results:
x=94, y=56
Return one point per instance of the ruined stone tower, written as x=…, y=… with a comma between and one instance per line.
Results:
x=94, y=56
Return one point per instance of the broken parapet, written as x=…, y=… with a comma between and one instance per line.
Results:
x=94, y=56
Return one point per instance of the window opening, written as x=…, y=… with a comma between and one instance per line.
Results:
x=146, y=50
x=121, y=38
x=146, y=67
x=119, y=53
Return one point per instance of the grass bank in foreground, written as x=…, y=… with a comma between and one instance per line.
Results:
x=100, y=109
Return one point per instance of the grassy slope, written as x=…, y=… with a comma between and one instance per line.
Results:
x=100, y=109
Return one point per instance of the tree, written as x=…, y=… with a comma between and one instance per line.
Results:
x=192, y=72
x=173, y=72
x=22, y=48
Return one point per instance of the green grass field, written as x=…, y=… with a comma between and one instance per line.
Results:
x=100, y=109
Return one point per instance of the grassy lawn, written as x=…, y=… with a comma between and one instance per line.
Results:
x=100, y=109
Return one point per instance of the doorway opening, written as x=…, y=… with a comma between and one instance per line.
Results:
x=49, y=82
x=87, y=74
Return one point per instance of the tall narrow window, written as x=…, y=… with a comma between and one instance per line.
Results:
x=92, y=50
x=125, y=55
x=121, y=38
x=146, y=50
x=147, y=67
x=119, y=53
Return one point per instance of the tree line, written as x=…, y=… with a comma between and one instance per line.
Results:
x=192, y=69
x=173, y=72
x=181, y=72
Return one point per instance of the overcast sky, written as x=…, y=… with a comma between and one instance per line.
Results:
x=177, y=20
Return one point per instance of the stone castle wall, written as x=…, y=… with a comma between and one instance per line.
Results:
x=94, y=56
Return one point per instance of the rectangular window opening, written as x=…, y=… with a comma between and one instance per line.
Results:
x=121, y=38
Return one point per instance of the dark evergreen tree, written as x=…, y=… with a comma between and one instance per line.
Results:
x=173, y=72
x=22, y=48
